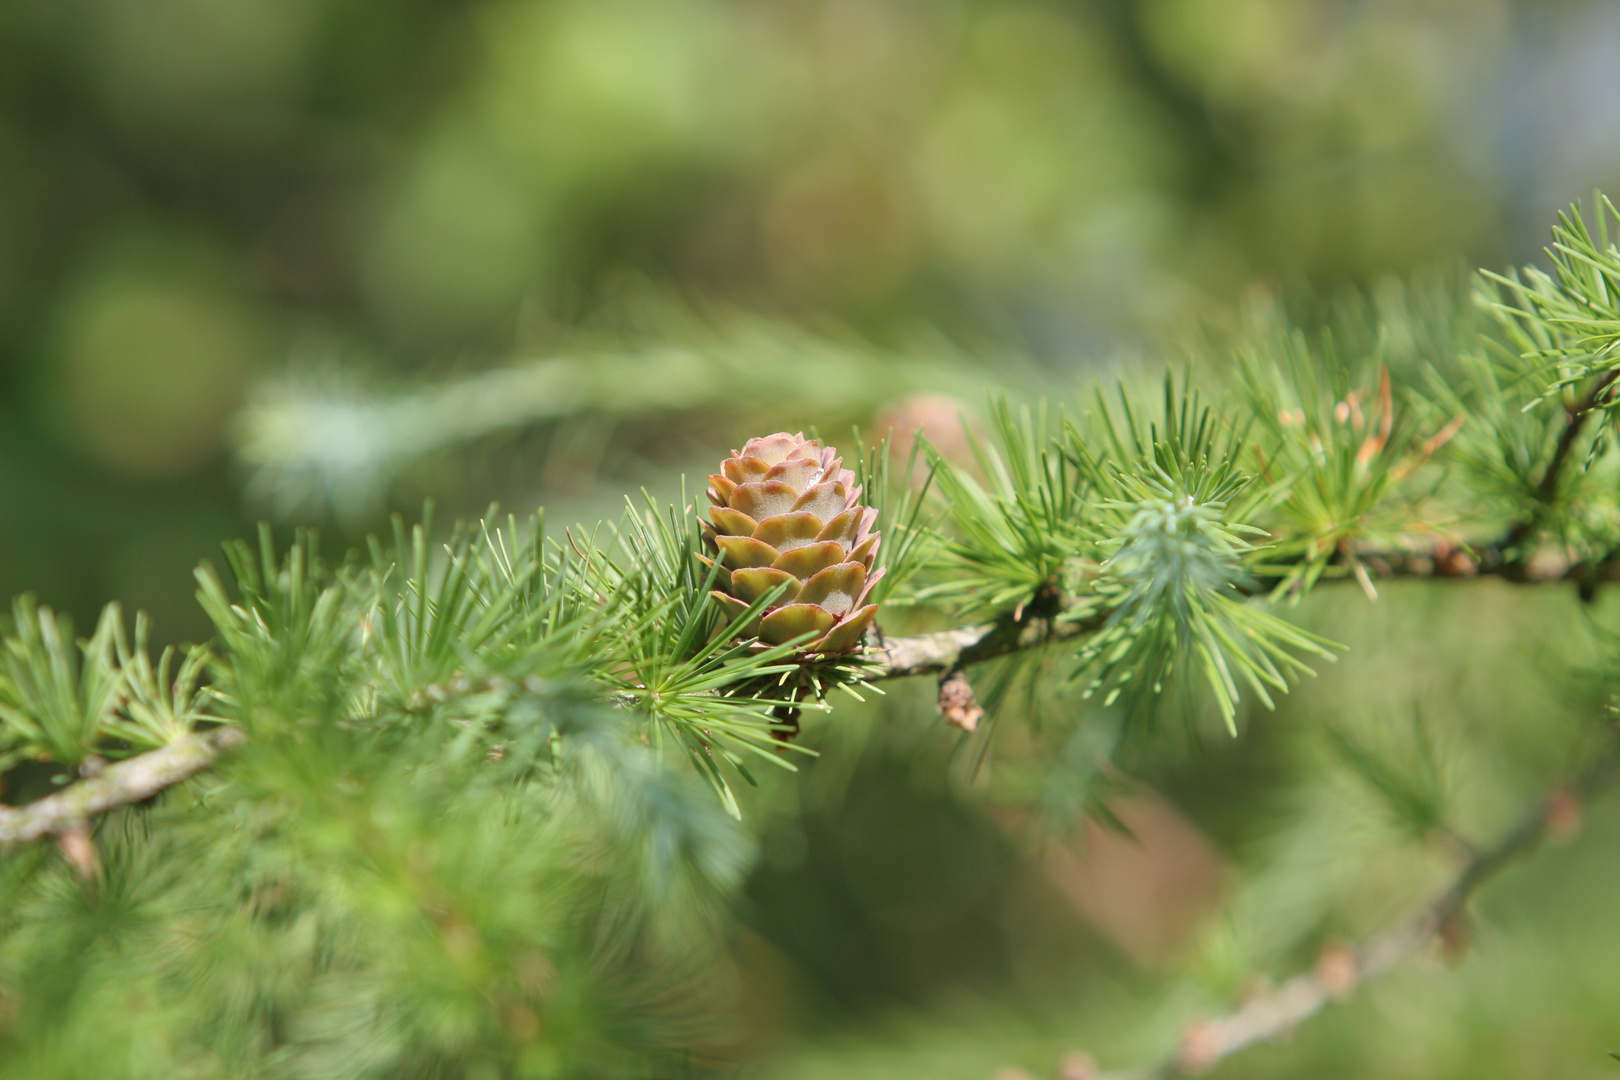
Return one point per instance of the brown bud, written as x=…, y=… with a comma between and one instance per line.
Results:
x=1562, y=816
x=956, y=702
x=1455, y=936
x=1452, y=561
x=1078, y=1066
x=1200, y=1047
x=1337, y=969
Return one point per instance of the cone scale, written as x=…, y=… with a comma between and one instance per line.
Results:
x=785, y=512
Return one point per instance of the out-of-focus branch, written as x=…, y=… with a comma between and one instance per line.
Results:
x=70, y=810
x=319, y=441
x=1340, y=971
x=1445, y=561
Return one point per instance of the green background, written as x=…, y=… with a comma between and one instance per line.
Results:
x=212, y=211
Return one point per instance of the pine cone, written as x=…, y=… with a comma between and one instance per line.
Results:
x=787, y=512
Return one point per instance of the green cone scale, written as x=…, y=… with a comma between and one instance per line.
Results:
x=787, y=513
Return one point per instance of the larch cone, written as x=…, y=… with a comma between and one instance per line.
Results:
x=786, y=512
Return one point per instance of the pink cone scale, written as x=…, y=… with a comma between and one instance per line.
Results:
x=786, y=514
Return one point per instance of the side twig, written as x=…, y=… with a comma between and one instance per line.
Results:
x=1340, y=971
x=1575, y=415
x=128, y=782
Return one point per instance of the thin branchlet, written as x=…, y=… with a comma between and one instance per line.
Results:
x=1207, y=1042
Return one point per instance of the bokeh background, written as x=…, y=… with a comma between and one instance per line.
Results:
x=314, y=260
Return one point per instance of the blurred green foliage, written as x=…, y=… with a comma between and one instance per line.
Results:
x=209, y=208
x=196, y=193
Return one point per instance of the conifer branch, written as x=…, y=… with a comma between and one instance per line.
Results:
x=947, y=650
x=134, y=780
x=1340, y=971
x=938, y=653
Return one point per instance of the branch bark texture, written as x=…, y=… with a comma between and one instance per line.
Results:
x=128, y=782
x=950, y=650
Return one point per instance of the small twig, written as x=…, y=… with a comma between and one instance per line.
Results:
x=1341, y=970
x=123, y=784
x=1575, y=421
